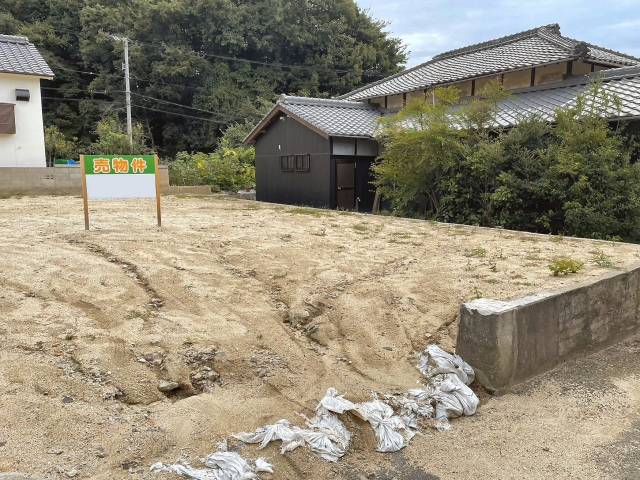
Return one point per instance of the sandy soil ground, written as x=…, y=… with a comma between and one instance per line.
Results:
x=255, y=310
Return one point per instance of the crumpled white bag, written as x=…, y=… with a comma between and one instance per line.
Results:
x=390, y=429
x=222, y=465
x=435, y=361
x=448, y=376
x=334, y=402
x=263, y=466
x=411, y=408
x=281, y=430
x=326, y=435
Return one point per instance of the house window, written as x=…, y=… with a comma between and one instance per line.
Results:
x=303, y=162
x=7, y=118
x=297, y=163
x=287, y=163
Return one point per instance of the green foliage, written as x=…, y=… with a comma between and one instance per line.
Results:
x=234, y=134
x=478, y=252
x=314, y=212
x=603, y=260
x=58, y=146
x=420, y=144
x=113, y=138
x=227, y=169
x=180, y=53
x=574, y=176
x=565, y=266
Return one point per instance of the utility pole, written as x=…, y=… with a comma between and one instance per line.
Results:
x=127, y=87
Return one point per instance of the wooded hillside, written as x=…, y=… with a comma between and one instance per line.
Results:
x=227, y=59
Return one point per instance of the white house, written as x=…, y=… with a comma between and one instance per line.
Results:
x=21, y=129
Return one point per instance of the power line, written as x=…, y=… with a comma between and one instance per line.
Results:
x=246, y=60
x=370, y=73
x=176, y=104
x=180, y=114
x=80, y=99
x=113, y=102
x=220, y=115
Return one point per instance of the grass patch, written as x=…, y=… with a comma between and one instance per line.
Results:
x=565, y=266
x=601, y=259
x=361, y=228
x=313, y=212
x=478, y=252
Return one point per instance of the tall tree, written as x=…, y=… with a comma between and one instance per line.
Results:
x=229, y=59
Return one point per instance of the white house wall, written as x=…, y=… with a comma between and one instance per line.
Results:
x=25, y=148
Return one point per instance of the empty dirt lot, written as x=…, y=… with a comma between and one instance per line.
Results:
x=255, y=310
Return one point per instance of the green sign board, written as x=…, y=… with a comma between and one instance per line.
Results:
x=119, y=164
x=111, y=177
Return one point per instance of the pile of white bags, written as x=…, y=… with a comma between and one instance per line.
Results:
x=221, y=465
x=445, y=395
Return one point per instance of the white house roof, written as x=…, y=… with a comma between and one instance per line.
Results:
x=539, y=46
x=19, y=56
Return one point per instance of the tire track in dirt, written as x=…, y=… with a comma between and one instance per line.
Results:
x=132, y=271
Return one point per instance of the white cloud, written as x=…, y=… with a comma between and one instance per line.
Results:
x=429, y=27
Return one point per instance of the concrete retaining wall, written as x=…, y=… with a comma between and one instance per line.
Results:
x=508, y=342
x=49, y=181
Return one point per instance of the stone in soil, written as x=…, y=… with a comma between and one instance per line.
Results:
x=166, y=386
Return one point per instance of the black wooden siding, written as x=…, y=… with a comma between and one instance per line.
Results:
x=289, y=137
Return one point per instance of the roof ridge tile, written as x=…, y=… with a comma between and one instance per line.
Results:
x=554, y=27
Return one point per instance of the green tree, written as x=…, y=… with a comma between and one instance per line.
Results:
x=113, y=139
x=572, y=176
x=419, y=144
x=591, y=171
x=186, y=51
x=58, y=146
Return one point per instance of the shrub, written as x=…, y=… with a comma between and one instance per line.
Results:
x=574, y=176
x=565, y=266
x=601, y=259
x=57, y=145
x=227, y=169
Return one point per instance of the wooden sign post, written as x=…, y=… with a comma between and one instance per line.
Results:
x=110, y=177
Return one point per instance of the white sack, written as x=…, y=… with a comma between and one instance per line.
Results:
x=263, y=466
x=326, y=435
x=411, y=408
x=281, y=430
x=390, y=429
x=222, y=465
x=434, y=361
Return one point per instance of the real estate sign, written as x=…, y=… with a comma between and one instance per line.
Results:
x=109, y=177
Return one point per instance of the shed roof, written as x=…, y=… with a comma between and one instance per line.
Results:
x=329, y=118
x=539, y=46
x=19, y=56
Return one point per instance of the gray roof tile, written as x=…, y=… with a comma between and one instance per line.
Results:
x=19, y=56
x=523, y=50
x=334, y=117
x=359, y=119
x=337, y=118
x=543, y=101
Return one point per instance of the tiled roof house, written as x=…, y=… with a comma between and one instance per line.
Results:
x=541, y=68
x=21, y=128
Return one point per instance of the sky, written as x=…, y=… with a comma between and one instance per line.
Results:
x=429, y=27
